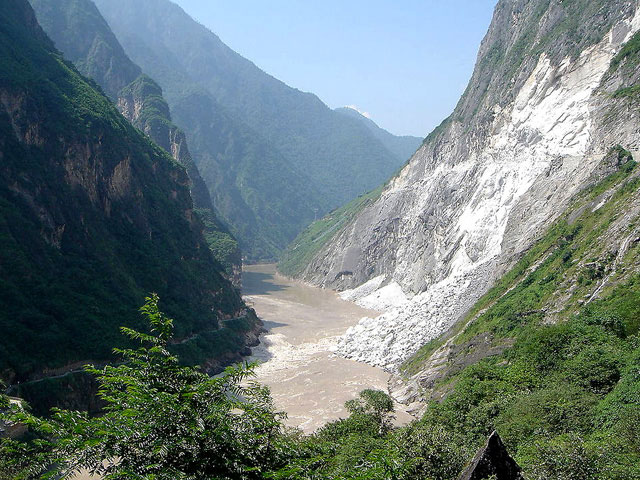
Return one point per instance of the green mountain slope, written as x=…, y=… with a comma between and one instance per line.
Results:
x=550, y=355
x=338, y=156
x=402, y=146
x=308, y=243
x=265, y=201
x=84, y=37
x=79, y=31
x=93, y=217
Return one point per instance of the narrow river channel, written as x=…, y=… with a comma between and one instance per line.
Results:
x=306, y=379
x=296, y=357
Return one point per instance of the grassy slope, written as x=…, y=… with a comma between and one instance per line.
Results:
x=565, y=392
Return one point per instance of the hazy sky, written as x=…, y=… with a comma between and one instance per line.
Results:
x=405, y=63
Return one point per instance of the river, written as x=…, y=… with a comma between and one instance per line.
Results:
x=297, y=362
x=306, y=379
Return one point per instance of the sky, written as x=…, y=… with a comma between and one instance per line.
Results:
x=402, y=63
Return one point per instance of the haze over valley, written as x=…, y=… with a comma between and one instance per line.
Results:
x=209, y=273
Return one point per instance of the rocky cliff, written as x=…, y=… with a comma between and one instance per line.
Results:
x=93, y=217
x=542, y=109
x=84, y=37
x=142, y=103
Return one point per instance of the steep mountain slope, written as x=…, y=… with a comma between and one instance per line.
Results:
x=84, y=37
x=79, y=31
x=402, y=146
x=537, y=118
x=93, y=217
x=263, y=199
x=338, y=156
x=549, y=356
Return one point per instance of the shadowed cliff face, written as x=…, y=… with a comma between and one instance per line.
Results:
x=84, y=37
x=93, y=217
x=529, y=132
x=143, y=104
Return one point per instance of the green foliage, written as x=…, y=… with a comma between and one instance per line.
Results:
x=223, y=245
x=161, y=420
x=565, y=399
x=374, y=405
x=563, y=396
x=92, y=216
x=624, y=65
x=80, y=32
x=627, y=57
x=166, y=421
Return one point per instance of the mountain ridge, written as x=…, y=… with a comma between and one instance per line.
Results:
x=402, y=146
x=81, y=33
x=94, y=217
x=525, y=136
x=337, y=157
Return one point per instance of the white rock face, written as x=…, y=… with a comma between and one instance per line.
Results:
x=435, y=240
x=407, y=326
x=374, y=296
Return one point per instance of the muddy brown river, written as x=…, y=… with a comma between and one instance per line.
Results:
x=307, y=380
x=297, y=362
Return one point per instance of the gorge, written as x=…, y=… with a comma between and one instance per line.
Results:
x=483, y=289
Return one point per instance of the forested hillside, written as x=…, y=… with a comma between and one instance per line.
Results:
x=286, y=156
x=403, y=147
x=93, y=217
x=84, y=37
x=549, y=359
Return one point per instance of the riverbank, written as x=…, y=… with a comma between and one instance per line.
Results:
x=297, y=360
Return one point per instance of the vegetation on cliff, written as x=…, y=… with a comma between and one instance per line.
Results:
x=563, y=395
x=93, y=216
x=554, y=345
x=80, y=32
x=562, y=389
x=308, y=243
x=282, y=154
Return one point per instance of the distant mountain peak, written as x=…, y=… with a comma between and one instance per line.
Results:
x=402, y=146
x=361, y=112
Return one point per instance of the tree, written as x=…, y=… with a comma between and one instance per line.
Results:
x=374, y=404
x=162, y=421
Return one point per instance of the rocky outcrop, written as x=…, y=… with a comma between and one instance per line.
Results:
x=492, y=462
x=529, y=132
x=143, y=104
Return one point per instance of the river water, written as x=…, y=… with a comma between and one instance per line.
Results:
x=297, y=362
x=306, y=379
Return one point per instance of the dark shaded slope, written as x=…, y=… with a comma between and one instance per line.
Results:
x=80, y=32
x=93, y=217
